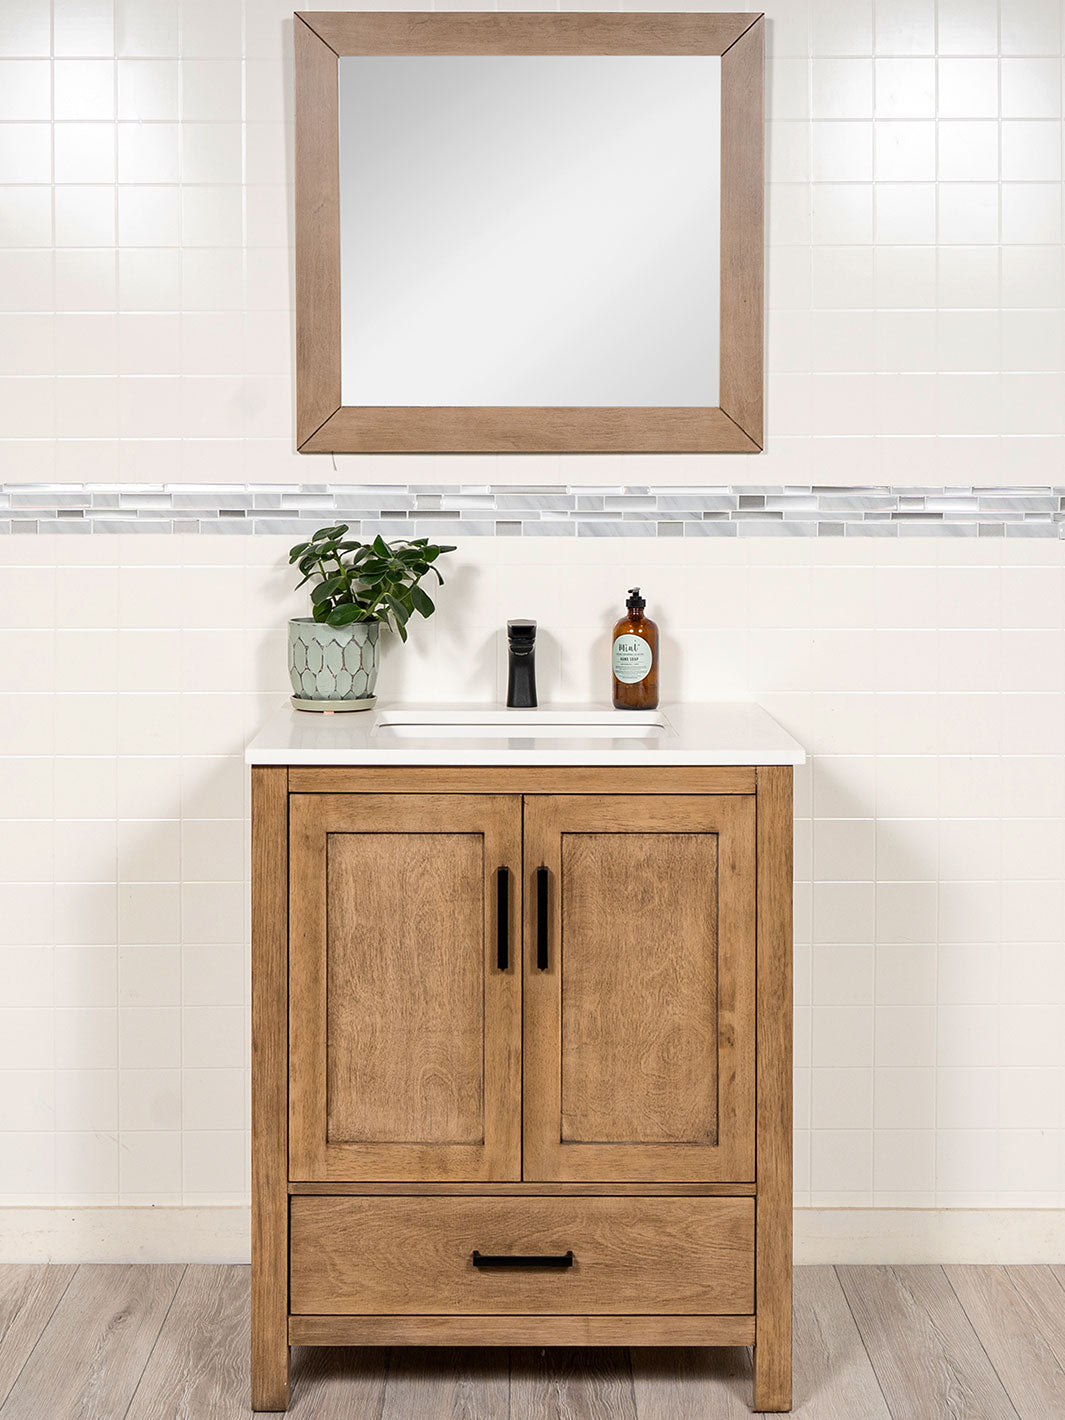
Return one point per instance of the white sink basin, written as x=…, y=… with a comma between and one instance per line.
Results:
x=522, y=724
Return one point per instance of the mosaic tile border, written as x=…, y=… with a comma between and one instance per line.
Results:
x=473, y=510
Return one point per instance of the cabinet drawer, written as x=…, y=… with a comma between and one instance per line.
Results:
x=415, y=1256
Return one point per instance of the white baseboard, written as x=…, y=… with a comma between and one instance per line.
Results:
x=903, y=1235
x=118, y=1234
x=822, y=1235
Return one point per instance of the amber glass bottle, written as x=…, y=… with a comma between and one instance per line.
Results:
x=635, y=658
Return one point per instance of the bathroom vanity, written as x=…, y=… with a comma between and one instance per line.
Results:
x=521, y=1032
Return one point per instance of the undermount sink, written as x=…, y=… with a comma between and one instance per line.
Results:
x=522, y=724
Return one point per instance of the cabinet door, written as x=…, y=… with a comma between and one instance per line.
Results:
x=639, y=992
x=404, y=1023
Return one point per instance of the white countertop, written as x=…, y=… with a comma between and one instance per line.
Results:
x=714, y=732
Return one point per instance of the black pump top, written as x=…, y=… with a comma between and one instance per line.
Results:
x=635, y=602
x=521, y=631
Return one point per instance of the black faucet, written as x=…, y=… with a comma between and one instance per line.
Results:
x=521, y=682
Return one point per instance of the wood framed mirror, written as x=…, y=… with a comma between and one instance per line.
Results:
x=529, y=233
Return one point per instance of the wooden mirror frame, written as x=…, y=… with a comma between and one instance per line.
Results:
x=324, y=425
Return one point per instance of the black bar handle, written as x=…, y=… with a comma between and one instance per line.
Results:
x=541, y=919
x=489, y=1260
x=503, y=918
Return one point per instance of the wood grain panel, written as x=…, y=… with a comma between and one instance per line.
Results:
x=324, y=425
x=91, y=1354
x=269, y=1088
x=525, y=429
x=639, y=997
x=730, y=821
x=773, y=1349
x=414, y=1255
x=521, y=1330
x=530, y=33
x=1018, y=1314
x=468, y=1012
x=926, y=1355
x=530, y=779
x=742, y=231
x=406, y=933
x=317, y=176
x=536, y=1190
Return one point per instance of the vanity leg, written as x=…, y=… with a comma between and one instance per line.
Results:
x=269, y=1090
x=773, y=1205
x=269, y=1375
x=772, y=1374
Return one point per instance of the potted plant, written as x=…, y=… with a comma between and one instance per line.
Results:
x=361, y=586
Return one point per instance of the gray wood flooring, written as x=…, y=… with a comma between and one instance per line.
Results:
x=871, y=1343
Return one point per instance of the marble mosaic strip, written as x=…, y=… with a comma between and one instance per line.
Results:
x=430, y=510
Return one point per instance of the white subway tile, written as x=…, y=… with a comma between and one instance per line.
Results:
x=146, y=28
x=967, y=27
x=27, y=28
x=211, y=89
x=1030, y=27
x=904, y=1160
x=214, y=1162
x=905, y=88
x=905, y=150
x=841, y=26
x=86, y=1037
x=149, y=1164
x=842, y=152
x=905, y=27
x=1031, y=88
x=149, y=1100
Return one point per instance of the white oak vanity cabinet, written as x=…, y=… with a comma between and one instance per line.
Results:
x=521, y=1045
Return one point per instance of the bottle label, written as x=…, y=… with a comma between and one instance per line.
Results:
x=632, y=659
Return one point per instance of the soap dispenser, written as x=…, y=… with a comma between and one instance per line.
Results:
x=635, y=657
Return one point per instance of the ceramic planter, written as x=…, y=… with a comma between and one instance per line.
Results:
x=332, y=667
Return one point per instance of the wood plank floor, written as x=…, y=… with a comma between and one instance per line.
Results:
x=871, y=1343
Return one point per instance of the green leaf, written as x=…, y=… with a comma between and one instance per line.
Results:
x=422, y=601
x=330, y=534
x=321, y=612
x=381, y=547
x=400, y=611
x=345, y=615
x=295, y=551
x=324, y=590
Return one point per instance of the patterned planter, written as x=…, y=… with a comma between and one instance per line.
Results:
x=332, y=667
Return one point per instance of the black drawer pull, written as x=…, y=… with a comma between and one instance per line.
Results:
x=541, y=919
x=502, y=918
x=507, y=1259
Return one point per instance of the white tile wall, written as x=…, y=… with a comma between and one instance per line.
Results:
x=916, y=294
x=925, y=678
x=916, y=282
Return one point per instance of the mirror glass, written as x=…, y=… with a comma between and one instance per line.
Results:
x=530, y=230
